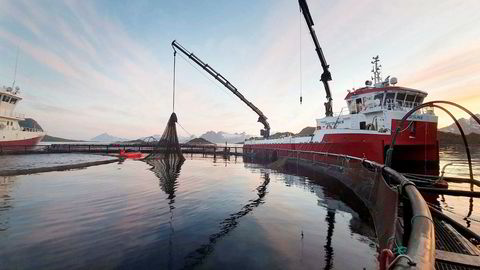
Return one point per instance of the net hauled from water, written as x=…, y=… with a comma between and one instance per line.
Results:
x=168, y=146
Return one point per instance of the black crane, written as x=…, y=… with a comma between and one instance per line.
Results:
x=326, y=76
x=265, y=132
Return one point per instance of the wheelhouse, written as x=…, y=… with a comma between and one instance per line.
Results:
x=371, y=99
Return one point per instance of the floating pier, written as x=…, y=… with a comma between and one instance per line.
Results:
x=115, y=149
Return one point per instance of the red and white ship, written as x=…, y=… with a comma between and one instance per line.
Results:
x=365, y=128
x=15, y=129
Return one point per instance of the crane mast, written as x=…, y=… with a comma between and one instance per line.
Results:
x=326, y=76
x=265, y=132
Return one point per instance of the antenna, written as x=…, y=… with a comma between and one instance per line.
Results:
x=15, y=72
x=376, y=69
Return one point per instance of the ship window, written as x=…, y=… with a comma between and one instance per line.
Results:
x=6, y=98
x=352, y=107
x=13, y=101
x=419, y=99
x=410, y=98
x=359, y=105
x=389, y=98
x=401, y=98
x=378, y=99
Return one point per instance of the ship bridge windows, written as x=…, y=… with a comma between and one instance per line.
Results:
x=6, y=98
x=419, y=100
x=378, y=99
x=389, y=100
x=352, y=107
x=13, y=100
x=359, y=104
x=410, y=98
x=401, y=98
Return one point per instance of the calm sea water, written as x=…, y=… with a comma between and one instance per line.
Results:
x=18, y=162
x=201, y=214
x=462, y=209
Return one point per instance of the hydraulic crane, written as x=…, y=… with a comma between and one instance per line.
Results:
x=326, y=76
x=265, y=132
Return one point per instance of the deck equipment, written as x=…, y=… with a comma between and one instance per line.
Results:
x=326, y=76
x=265, y=132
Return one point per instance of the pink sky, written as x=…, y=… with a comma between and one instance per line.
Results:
x=86, y=68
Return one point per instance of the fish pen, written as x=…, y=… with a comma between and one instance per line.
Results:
x=411, y=235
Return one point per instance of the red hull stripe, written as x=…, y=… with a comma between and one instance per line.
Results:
x=28, y=142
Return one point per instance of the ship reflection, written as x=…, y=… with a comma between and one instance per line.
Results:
x=198, y=256
x=335, y=198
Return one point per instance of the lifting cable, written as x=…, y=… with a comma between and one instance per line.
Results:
x=174, y=65
x=185, y=130
x=300, y=39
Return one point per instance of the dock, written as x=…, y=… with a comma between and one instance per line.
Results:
x=215, y=150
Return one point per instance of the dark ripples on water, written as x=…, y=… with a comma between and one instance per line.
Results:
x=201, y=214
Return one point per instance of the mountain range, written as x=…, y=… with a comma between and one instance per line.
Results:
x=222, y=137
x=468, y=125
x=211, y=136
x=105, y=137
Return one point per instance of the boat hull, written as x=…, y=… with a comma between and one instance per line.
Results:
x=24, y=142
x=413, y=152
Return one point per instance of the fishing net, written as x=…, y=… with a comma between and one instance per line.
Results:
x=168, y=145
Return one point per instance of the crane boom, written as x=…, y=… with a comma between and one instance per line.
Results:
x=261, y=117
x=326, y=76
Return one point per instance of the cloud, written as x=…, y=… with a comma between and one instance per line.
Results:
x=90, y=58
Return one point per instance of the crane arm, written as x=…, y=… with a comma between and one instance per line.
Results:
x=326, y=75
x=261, y=117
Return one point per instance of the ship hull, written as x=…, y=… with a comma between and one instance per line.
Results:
x=414, y=153
x=24, y=142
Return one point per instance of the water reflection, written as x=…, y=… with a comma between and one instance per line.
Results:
x=336, y=198
x=6, y=201
x=167, y=169
x=330, y=219
x=332, y=195
x=462, y=209
x=169, y=214
x=198, y=256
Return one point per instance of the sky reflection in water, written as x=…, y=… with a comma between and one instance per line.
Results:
x=202, y=214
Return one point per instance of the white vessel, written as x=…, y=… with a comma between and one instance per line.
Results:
x=15, y=129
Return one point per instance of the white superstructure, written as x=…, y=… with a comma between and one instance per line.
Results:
x=14, y=128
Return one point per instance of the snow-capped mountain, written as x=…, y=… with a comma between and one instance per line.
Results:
x=156, y=137
x=468, y=126
x=105, y=137
x=222, y=137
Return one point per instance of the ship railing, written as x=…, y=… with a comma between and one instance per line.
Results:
x=418, y=228
x=31, y=129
